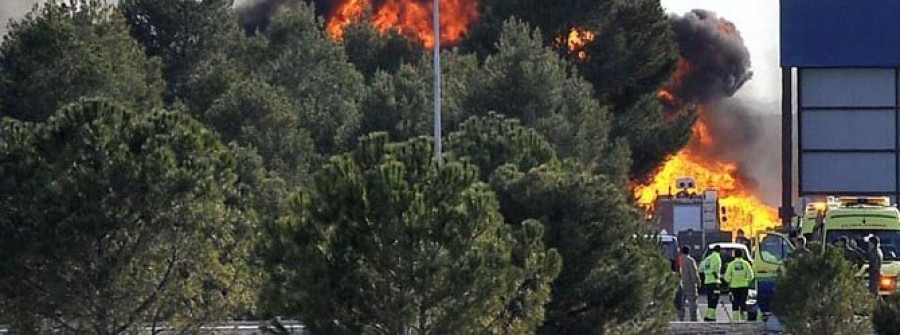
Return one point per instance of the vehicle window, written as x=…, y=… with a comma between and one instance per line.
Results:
x=773, y=249
x=890, y=241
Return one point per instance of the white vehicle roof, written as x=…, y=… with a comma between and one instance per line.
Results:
x=729, y=245
x=668, y=238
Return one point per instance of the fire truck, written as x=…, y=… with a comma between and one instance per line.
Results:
x=692, y=216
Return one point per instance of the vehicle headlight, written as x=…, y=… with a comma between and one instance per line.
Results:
x=887, y=284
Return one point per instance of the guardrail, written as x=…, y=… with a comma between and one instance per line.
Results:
x=711, y=328
x=229, y=328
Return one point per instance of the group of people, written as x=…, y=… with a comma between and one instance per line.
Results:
x=737, y=277
x=873, y=258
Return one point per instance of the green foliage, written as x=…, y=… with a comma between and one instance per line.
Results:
x=64, y=51
x=524, y=80
x=115, y=220
x=819, y=293
x=651, y=135
x=370, y=50
x=531, y=83
x=493, y=140
x=632, y=55
x=387, y=241
x=398, y=103
x=182, y=33
x=259, y=116
x=315, y=74
x=608, y=280
x=633, y=52
x=886, y=317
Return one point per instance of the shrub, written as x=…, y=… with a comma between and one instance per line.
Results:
x=818, y=293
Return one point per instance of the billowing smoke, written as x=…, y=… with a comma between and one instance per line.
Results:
x=255, y=15
x=714, y=61
x=714, y=65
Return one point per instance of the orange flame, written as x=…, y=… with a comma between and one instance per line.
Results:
x=744, y=209
x=575, y=41
x=410, y=17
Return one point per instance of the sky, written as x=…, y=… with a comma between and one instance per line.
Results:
x=757, y=20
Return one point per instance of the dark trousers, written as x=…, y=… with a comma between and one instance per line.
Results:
x=874, y=281
x=712, y=300
x=740, y=299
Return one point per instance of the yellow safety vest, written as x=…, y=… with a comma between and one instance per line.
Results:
x=711, y=267
x=739, y=273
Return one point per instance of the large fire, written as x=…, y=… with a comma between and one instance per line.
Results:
x=410, y=17
x=744, y=209
x=713, y=66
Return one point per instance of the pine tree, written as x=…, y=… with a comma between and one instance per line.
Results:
x=631, y=53
x=116, y=220
x=802, y=307
x=493, y=141
x=609, y=282
x=389, y=241
x=182, y=33
x=371, y=50
x=315, y=74
x=67, y=50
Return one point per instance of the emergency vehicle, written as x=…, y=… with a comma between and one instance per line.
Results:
x=857, y=218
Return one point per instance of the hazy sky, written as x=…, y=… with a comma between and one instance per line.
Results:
x=757, y=20
x=13, y=9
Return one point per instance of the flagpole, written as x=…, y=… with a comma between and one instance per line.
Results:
x=437, y=82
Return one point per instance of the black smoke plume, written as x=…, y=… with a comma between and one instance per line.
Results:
x=255, y=15
x=714, y=65
x=717, y=62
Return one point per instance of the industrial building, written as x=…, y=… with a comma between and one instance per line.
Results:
x=840, y=63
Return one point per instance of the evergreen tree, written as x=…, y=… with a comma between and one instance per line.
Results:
x=257, y=115
x=315, y=74
x=803, y=308
x=389, y=241
x=370, y=50
x=398, y=104
x=66, y=50
x=530, y=82
x=492, y=141
x=525, y=80
x=631, y=53
x=609, y=281
x=182, y=33
x=116, y=220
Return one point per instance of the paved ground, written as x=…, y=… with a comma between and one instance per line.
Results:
x=723, y=312
x=724, y=324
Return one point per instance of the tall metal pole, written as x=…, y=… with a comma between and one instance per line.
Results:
x=787, y=146
x=437, y=82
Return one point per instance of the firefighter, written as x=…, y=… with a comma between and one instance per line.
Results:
x=711, y=267
x=739, y=275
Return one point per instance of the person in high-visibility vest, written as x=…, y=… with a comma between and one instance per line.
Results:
x=739, y=275
x=711, y=266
